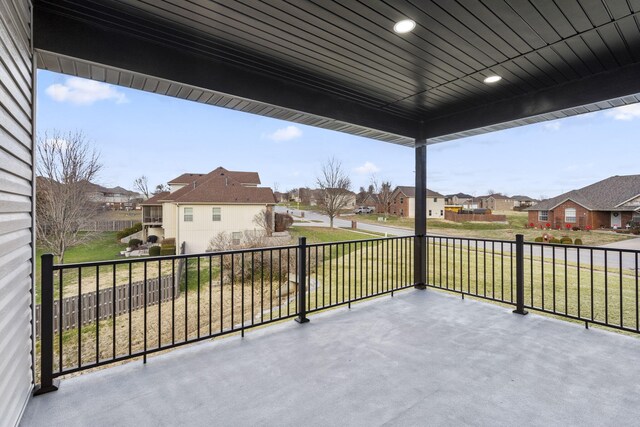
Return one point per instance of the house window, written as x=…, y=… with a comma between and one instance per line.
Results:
x=441, y=213
x=216, y=215
x=401, y=200
x=236, y=236
x=570, y=215
x=543, y=215
x=435, y=200
x=188, y=214
x=429, y=212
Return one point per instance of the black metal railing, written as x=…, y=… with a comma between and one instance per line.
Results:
x=98, y=313
x=595, y=285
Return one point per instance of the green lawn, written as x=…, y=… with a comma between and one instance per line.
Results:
x=102, y=247
x=325, y=234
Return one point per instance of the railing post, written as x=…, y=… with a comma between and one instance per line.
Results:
x=520, y=275
x=47, y=383
x=302, y=280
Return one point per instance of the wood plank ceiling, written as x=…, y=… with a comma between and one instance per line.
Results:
x=555, y=57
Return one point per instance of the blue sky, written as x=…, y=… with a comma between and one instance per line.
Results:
x=139, y=133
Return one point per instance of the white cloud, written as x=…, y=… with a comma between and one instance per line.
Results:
x=626, y=112
x=553, y=125
x=285, y=134
x=84, y=92
x=367, y=168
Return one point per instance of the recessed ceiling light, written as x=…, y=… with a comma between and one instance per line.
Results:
x=404, y=26
x=492, y=79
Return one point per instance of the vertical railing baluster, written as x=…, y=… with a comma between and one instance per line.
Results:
x=47, y=383
x=520, y=275
x=621, y=297
x=302, y=265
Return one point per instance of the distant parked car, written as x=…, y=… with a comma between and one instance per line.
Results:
x=363, y=210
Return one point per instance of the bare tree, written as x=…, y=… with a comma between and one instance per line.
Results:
x=383, y=193
x=335, y=189
x=160, y=188
x=264, y=220
x=142, y=185
x=66, y=165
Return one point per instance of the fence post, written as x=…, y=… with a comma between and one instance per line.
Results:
x=302, y=280
x=47, y=383
x=520, y=275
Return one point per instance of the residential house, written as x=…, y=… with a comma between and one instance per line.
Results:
x=460, y=199
x=113, y=198
x=496, y=202
x=403, y=203
x=199, y=206
x=522, y=202
x=610, y=203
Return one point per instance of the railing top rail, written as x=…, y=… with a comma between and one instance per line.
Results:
x=148, y=259
x=344, y=242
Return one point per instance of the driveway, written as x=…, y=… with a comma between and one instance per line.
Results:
x=319, y=220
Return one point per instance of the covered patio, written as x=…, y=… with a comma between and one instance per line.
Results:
x=418, y=358
x=465, y=68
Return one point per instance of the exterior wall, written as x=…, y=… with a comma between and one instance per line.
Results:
x=198, y=233
x=584, y=217
x=169, y=220
x=17, y=77
x=406, y=208
x=436, y=206
x=175, y=187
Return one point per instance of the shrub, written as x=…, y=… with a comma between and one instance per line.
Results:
x=134, y=243
x=539, y=239
x=566, y=240
x=554, y=240
x=575, y=228
x=578, y=242
x=152, y=239
x=129, y=230
x=167, y=250
x=154, y=251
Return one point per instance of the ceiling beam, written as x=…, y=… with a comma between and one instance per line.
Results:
x=96, y=43
x=604, y=86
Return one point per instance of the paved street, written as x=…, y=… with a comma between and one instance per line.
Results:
x=618, y=254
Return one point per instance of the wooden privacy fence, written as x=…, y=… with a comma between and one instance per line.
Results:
x=103, y=304
x=115, y=225
x=453, y=216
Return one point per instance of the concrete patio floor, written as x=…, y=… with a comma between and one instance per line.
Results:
x=419, y=358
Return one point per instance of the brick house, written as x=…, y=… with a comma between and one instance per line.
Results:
x=403, y=203
x=610, y=203
x=460, y=199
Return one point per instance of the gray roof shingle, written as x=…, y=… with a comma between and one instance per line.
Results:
x=605, y=195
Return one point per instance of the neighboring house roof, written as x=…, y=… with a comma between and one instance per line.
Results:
x=409, y=191
x=498, y=196
x=221, y=186
x=523, y=198
x=605, y=195
x=460, y=196
x=156, y=199
x=242, y=177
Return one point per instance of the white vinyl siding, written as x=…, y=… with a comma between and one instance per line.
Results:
x=216, y=214
x=570, y=215
x=16, y=192
x=198, y=233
